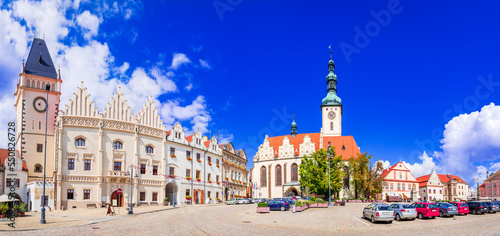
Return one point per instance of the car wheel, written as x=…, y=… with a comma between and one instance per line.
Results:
x=373, y=219
x=433, y=217
x=441, y=214
x=390, y=222
x=364, y=217
x=451, y=216
x=465, y=214
x=282, y=208
x=413, y=218
x=398, y=217
x=420, y=216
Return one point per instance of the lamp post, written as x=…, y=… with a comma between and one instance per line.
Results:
x=131, y=173
x=329, y=188
x=42, y=220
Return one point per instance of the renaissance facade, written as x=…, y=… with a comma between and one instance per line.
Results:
x=91, y=153
x=277, y=161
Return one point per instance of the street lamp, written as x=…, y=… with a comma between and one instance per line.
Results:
x=131, y=173
x=329, y=188
x=42, y=220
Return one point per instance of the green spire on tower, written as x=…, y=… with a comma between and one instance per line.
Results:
x=331, y=81
x=294, y=127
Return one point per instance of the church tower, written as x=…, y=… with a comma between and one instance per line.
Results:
x=331, y=107
x=32, y=103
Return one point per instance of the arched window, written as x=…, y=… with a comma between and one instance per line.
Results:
x=263, y=177
x=38, y=168
x=79, y=142
x=331, y=125
x=278, y=175
x=117, y=145
x=295, y=174
x=346, y=177
x=149, y=149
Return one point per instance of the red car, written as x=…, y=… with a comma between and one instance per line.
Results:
x=462, y=207
x=426, y=210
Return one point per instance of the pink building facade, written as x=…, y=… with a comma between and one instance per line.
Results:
x=492, y=186
x=399, y=181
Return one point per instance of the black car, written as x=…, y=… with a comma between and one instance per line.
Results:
x=477, y=207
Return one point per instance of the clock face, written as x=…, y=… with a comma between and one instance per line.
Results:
x=40, y=104
x=331, y=115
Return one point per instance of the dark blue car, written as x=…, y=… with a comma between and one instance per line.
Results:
x=278, y=205
x=289, y=200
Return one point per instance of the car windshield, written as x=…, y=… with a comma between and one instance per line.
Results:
x=446, y=204
x=384, y=208
x=408, y=207
x=463, y=205
x=483, y=204
x=432, y=206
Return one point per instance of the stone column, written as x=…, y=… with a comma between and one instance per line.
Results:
x=108, y=193
x=99, y=192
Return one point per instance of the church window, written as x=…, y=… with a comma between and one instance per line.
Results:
x=263, y=176
x=117, y=145
x=80, y=142
x=39, y=147
x=278, y=175
x=38, y=168
x=149, y=149
x=331, y=125
x=295, y=175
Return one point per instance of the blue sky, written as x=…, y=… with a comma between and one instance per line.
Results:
x=251, y=64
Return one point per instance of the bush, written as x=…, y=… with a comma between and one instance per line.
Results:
x=313, y=198
x=24, y=207
x=319, y=200
x=363, y=198
x=165, y=199
x=299, y=203
x=4, y=208
x=262, y=204
x=17, y=208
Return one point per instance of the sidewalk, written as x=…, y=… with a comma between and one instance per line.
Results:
x=74, y=217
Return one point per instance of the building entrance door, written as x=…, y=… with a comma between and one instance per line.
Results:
x=116, y=199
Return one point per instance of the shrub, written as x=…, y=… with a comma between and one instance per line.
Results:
x=299, y=203
x=319, y=200
x=262, y=204
x=17, y=208
x=24, y=207
x=4, y=208
x=363, y=198
x=313, y=198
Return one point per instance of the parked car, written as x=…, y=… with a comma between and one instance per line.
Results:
x=256, y=200
x=498, y=204
x=446, y=209
x=378, y=212
x=240, y=201
x=231, y=201
x=404, y=211
x=426, y=210
x=289, y=200
x=278, y=205
x=492, y=208
x=477, y=207
x=247, y=200
x=462, y=207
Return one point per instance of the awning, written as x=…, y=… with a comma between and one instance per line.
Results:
x=405, y=197
x=5, y=198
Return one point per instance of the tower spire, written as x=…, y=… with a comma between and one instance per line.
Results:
x=331, y=81
x=294, y=127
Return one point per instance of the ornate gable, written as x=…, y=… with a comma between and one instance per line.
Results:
x=149, y=116
x=266, y=151
x=118, y=108
x=81, y=104
x=286, y=149
x=306, y=147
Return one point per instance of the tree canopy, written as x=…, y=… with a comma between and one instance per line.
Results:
x=365, y=176
x=313, y=172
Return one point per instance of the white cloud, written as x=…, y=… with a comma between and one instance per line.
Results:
x=179, y=59
x=469, y=140
x=225, y=138
x=197, y=112
x=189, y=87
x=423, y=168
x=89, y=22
x=386, y=164
x=204, y=64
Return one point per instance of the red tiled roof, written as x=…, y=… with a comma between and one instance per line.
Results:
x=350, y=147
x=481, y=186
x=385, y=172
x=189, y=138
x=424, y=178
x=442, y=178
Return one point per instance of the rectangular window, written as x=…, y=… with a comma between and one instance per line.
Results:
x=188, y=154
x=86, y=194
x=172, y=151
x=142, y=196
x=188, y=192
x=87, y=164
x=9, y=183
x=198, y=156
x=208, y=177
x=434, y=191
x=208, y=195
x=70, y=194
x=216, y=195
x=209, y=159
x=155, y=197
x=143, y=169
x=171, y=171
x=155, y=170
x=71, y=164
x=118, y=166
x=403, y=187
x=217, y=178
x=39, y=147
x=188, y=173
x=217, y=161
x=392, y=187
x=198, y=173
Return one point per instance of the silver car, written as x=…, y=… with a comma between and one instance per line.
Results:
x=378, y=212
x=404, y=211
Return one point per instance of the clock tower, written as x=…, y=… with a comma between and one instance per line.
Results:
x=32, y=103
x=331, y=107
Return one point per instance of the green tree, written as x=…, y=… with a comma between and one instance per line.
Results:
x=375, y=184
x=365, y=176
x=313, y=172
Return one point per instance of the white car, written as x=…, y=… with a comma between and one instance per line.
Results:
x=240, y=201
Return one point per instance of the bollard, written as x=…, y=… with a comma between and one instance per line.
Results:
x=293, y=208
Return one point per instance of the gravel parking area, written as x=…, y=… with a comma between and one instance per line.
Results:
x=243, y=220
